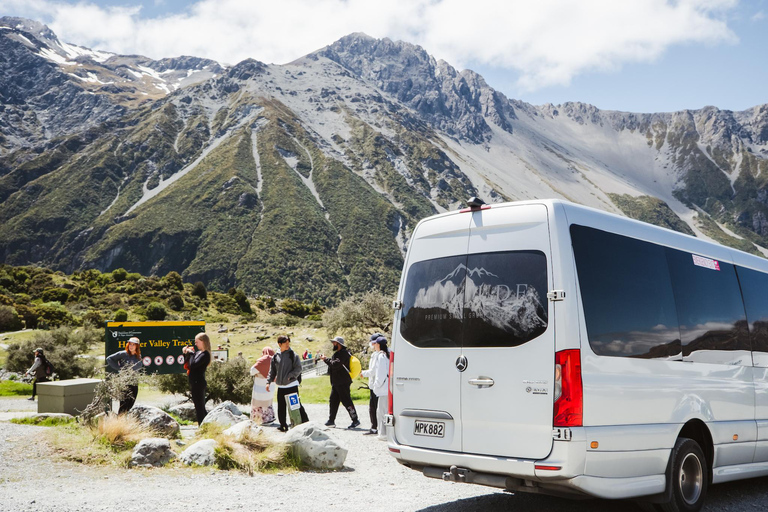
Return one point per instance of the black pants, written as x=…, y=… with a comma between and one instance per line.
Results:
x=341, y=394
x=34, y=385
x=372, y=410
x=130, y=399
x=197, y=389
x=281, y=406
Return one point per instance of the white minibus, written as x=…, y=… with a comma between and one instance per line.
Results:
x=547, y=347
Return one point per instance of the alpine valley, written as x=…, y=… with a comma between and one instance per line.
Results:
x=306, y=179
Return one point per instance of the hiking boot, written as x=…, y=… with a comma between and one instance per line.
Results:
x=282, y=429
x=371, y=432
x=31, y=398
x=354, y=424
x=330, y=423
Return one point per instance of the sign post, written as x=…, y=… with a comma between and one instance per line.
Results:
x=161, y=342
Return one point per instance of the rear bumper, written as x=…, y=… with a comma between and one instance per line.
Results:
x=522, y=475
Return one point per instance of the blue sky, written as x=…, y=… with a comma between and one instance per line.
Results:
x=633, y=55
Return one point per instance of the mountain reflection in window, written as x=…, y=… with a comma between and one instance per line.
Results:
x=432, y=303
x=505, y=301
x=754, y=288
x=627, y=295
x=487, y=300
x=710, y=309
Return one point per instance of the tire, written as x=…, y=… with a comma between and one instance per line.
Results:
x=688, y=474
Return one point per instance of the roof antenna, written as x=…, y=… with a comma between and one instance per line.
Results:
x=475, y=202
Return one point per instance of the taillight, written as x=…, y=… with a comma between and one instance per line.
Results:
x=390, y=401
x=569, y=396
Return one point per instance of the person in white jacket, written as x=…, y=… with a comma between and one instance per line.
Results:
x=378, y=382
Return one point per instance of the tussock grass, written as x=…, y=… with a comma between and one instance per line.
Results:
x=249, y=453
x=119, y=431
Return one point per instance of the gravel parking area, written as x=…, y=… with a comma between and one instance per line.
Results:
x=370, y=481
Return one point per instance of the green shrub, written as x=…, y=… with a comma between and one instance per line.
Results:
x=119, y=275
x=55, y=295
x=54, y=315
x=242, y=301
x=282, y=320
x=93, y=318
x=198, y=290
x=173, y=280
x=225, y=303
x=175, y=302
x=9, y=319
x=29, y=315
x=229, y=381
x=121, y=315
x=156, y=311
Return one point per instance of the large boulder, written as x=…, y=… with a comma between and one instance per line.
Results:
x=185, y=411
x=315, y=447
x=155, y=451
x=242, y=428
x=201, y=453
x=225, y=414
x=156, y=420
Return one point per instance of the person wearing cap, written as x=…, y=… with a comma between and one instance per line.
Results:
x=373, y=400
x=39, y=369
x=338, y=367
x=380, y=382
x=285, y=372
x=128, y=358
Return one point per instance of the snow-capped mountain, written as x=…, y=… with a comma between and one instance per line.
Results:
x=307, y=178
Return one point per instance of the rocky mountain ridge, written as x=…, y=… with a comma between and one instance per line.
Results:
x=306, y=179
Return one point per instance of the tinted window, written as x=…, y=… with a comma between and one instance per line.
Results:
x=710, y=309
x=433, y=302
x=754, y=289
x=505, y=302
x=626, y=294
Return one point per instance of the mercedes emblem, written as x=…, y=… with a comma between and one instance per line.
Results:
x=461, y=363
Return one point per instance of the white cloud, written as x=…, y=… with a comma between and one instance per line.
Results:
x=758, y=16
x=547, y=41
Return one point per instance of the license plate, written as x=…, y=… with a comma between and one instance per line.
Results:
x=429, y=428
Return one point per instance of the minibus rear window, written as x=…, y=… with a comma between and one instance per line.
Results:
x=483, y=300
x=433, y=301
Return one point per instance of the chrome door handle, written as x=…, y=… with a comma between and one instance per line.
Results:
x=482, y=382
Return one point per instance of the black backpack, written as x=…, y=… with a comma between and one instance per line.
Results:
x=48, y=368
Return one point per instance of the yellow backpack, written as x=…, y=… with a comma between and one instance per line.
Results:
x=354, y=367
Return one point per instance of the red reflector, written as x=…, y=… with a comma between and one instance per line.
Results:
x=390, y=398
x=569, y=408
x=547, y=468
x=395, y=450
x=484, y=207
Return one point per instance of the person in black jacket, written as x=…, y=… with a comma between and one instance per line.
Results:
x=338, y=367
x=196, y=363
x=39, y=370
x=285, y=371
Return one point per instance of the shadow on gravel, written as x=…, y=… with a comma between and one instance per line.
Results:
x=734, y=496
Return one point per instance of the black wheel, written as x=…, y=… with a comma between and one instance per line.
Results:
x=687, y=473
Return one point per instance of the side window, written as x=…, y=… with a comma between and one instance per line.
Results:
x=713, y=325
x=505, y=302
x=754, y=289
x=432, y=302
x=627, y=295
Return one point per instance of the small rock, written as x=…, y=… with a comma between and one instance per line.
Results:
x=185, y=411
x=155, y=451
x=225, y=414
x=239, y=429
x=200, y=453
x=315, y=447
x=155, y=419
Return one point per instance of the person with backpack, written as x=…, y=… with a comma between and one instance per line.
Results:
x=379, y=383
x=42, y=370
x=128, y=358
x=341, y=380
x=371, y=373
x=285, y=371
